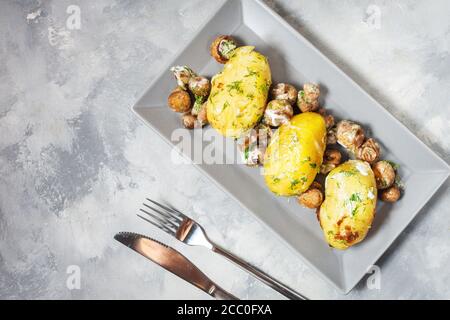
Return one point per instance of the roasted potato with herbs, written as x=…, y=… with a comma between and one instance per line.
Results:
x=239, y=93
x=294, y=155
x=349, y=207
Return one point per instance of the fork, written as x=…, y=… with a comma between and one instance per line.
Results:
x=186, y=230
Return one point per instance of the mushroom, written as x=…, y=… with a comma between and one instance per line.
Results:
x=183, y=74
x=222, y=47
x=202, y=118
x=313, y=197
x=254, y=144
x=278, y=112
x=189, y=121
x=331, y=136
x=308, y=98
x=329, y=119
x=384, y=174
x=369, y=151
x=284, y=91
x=199, y=86
x=331, y=159
x=180, y=100
x=350, y=135
x=391, y=194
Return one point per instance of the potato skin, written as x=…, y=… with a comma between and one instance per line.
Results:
x=239, y=93
x=349, y=207
x=294, y=155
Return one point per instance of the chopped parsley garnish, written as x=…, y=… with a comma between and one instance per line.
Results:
x=355, y=197
x=294, y=139
x=304, y=179
x=307, y=159
x=354, y=202
x=301, y=94
x=294, y=183
x=251, y=73
x=246, y=152
x=235, y=85
x=225, y=105
x=264, y=88
x=276, y=180
x=349, y=173
x=198, y=104
x=213, y=95
x=313, y=165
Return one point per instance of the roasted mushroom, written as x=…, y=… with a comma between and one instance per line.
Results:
x=350, y=135
x=200, y=86
x=308, y=98
x=331, y=159
x=278, y=112
x=331, y=136
x=183, y=74
x=180, y=100
x=329, y=119
x=332, y=156
x=189, y=121
x=391, y=194
x=202, y=118
x=384, y=174
x=284, y=91
x=253, y=145
x=222, y=47
x=369, y=151
x=313, y=197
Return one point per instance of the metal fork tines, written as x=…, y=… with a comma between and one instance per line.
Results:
x=183, y=228
x=165, y=220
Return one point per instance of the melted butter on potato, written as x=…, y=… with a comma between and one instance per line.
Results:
x=239, y=93
x=349, y=207
x=294, y=155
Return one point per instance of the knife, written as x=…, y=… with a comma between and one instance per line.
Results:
x=173, y=261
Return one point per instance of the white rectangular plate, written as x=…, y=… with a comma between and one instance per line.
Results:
x=294, y=60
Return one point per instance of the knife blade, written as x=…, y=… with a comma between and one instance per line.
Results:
x=173, y=261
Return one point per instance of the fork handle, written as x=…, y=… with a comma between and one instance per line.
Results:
x=261, y=275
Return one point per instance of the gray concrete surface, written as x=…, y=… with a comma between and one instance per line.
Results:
x=75, y=163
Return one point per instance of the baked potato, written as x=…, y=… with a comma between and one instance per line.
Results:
x=239, y=93
x=294, y=155
x=349, y=207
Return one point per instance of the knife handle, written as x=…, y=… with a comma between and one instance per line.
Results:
x=220, y=294
x=261, y=275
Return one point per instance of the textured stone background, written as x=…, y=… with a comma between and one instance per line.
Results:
x=75, y=163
